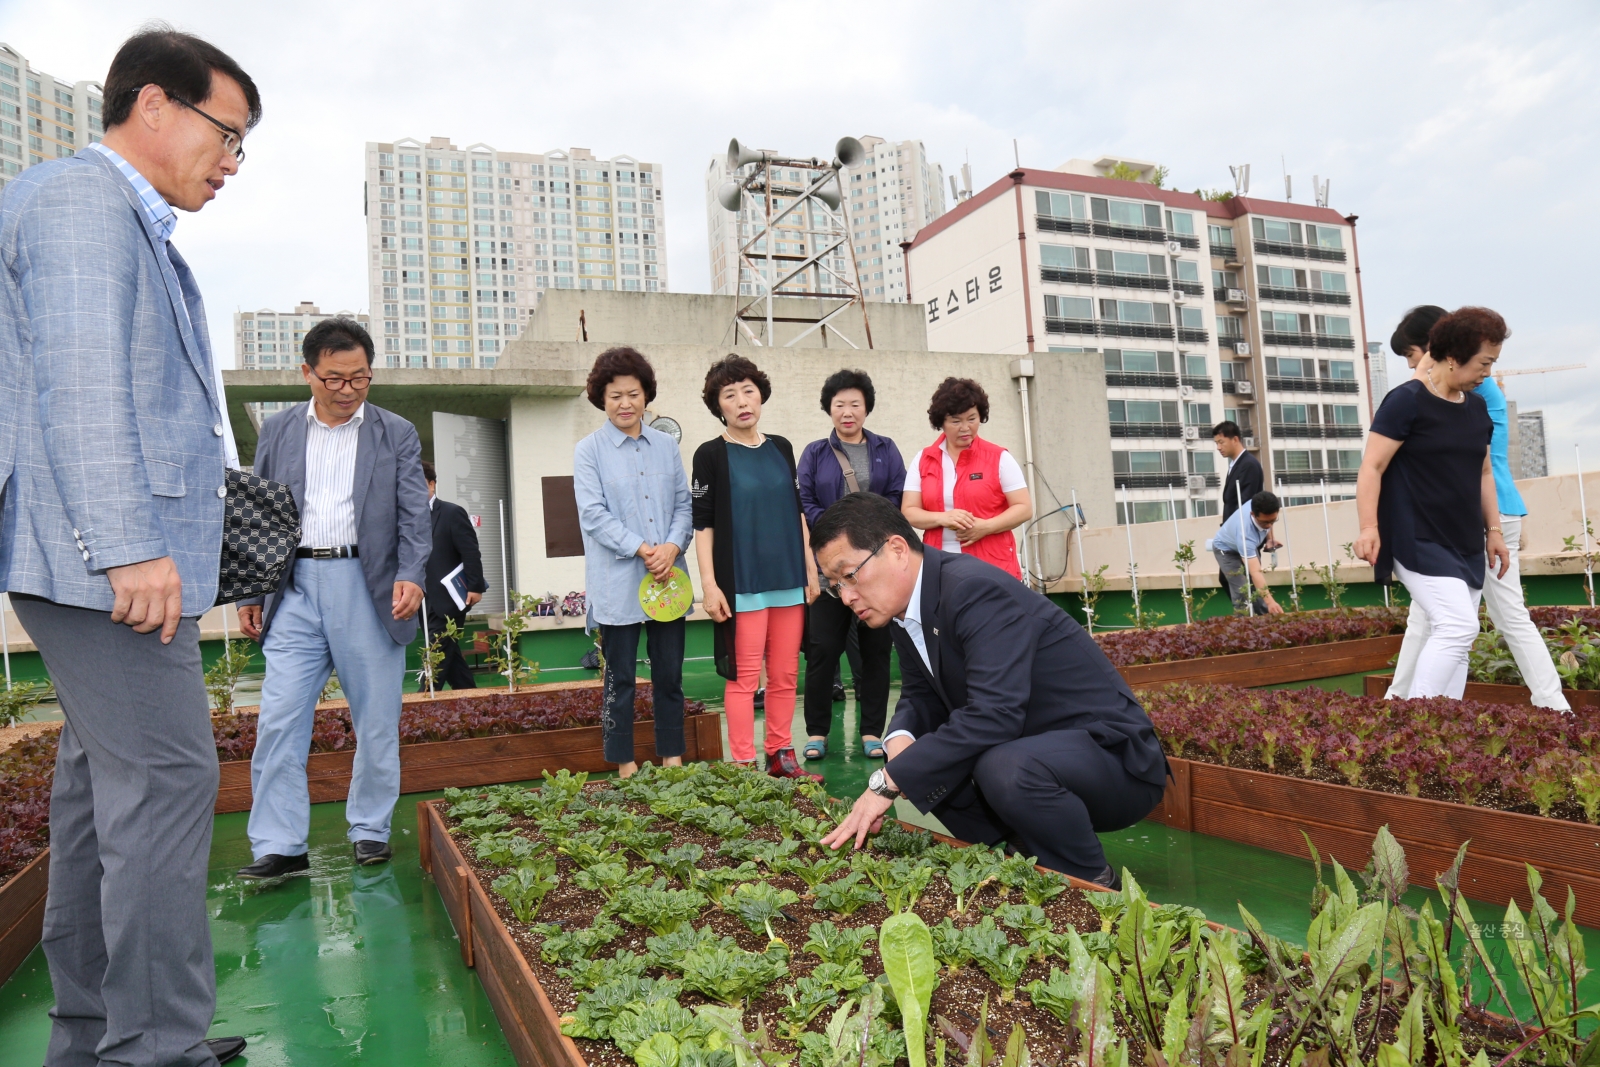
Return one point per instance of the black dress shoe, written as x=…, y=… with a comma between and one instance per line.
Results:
x=1109, y=878
x=369, y=853
x=838, y=692
x=225, y=1048
x=761, y=699
x=273, y=865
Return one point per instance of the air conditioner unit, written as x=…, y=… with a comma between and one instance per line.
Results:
x=1174, y=248
x=1186, y=392
x=1179, y=297
x=1244, y=387
x=1191, y=433
x=1242, y=347
x=1196, y=482
x=1234, y=296
x=1249, y=442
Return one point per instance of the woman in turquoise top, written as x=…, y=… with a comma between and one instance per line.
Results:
x=1502, y=595
x=755, y=572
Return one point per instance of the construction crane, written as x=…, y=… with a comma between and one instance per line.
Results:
x=1500, y=376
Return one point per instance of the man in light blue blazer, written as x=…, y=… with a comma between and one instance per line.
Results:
x=113, y=441
x=349, y=602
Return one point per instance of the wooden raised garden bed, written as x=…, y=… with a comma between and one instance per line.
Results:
x=1272, y=667
x=1375, y=685
x=483, y=760
x=22, y=913
x=1271, y=810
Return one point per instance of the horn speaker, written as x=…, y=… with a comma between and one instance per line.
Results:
x=729, y=195
x=849, y=151
x=739, y=155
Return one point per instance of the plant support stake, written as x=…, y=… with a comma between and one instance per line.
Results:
x=1183, y=572
x=1288, y=550
x=1133, y=568
x=505, y=593
x=5, y=638
x=1327, y=530
x=1083, y=574
x=427, y=647
x=1583, y=520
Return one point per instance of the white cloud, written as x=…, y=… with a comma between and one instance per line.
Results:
x=1463, y=134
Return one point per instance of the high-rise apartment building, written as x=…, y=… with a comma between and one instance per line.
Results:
x=463, y=241
x=1530, y=456
x=42, y=117
x=1378, y=371
x=270, y=340
x=1200, y=311
x=888, y=198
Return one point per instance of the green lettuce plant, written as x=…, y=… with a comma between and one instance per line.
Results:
x=905, y=947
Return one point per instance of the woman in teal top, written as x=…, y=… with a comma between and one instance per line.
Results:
x=756, y=575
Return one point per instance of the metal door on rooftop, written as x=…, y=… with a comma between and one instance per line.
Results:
x=469, y=454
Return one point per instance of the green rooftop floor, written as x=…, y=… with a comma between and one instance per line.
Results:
x=350, y=966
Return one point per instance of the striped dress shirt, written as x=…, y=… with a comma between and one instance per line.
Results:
x=328, y=513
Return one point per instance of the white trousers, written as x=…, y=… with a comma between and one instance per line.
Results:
x=1503, y=596
x=1450, y=607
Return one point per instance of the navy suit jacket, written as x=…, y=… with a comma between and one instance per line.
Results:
x=1007, y=664
x=394, y=529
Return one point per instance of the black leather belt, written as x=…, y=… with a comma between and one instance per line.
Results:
x=337, y=552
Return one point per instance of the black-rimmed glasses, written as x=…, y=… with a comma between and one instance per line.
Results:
x=848, y=578
x=357, y=384
x=232, y=139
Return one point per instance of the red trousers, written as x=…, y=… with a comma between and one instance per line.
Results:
x=772, y=634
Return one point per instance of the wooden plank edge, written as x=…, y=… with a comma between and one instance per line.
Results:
x=24, y=896
x=1281, y=664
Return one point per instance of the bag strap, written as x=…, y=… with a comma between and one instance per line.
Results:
x=849, y=472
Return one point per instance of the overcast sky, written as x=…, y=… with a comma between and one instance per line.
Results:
x=1463, y=134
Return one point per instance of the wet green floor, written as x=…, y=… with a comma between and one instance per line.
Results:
x=352, y=966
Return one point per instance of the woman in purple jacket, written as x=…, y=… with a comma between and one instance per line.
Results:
x=849, y=460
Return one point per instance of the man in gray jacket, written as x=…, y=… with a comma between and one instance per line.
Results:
x=113, y=440
x=348, y=603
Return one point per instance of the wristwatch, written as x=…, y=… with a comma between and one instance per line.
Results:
x=879, y=784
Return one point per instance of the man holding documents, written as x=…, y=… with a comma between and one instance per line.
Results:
x=455, y=579
x=634, y=510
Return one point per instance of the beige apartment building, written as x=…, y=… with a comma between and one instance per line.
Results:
x=268, y=340
x=42, y=117
x=1201, y=310
x=888, y=198
x=463, y=242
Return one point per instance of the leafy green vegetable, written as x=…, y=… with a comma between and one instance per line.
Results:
x=474, y=825
x=845, y=896
x=949, y=947
x=668, y=952
x=525, y=888
x=610, y=877
x=656, y=907
x=897, y=840
x=730, y=975
x=598, y=1007
x=505, y=849
x=834, y=945
x=566, y=946
x=906, y=948
x=634, y=1024
x=719, y=820
x=1058, y=996
x=990, y=949
x=1043, y=886
x=465, y=804
x=968, y=874
x=854, y=1039
x=845, y=977
x=680, y=862
x=758, y=904
x=807, y=998
x=715, y=882
x=816, y=872
x=591, y=974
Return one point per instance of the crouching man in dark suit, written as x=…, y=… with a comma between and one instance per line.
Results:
x=1012, y=725
x=455, y=544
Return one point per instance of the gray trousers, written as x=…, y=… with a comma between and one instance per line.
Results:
x=126, y=934
x=1236, y=572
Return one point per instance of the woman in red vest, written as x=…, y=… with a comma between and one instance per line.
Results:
x=965, y=485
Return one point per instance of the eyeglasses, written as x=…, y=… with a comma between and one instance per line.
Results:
x=357, y=384
x=848, y=578
x=232, y=139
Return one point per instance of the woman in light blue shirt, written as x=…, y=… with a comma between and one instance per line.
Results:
x=634, y=511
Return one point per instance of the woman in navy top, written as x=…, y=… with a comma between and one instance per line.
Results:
x=755, y=570
x=1426, y=494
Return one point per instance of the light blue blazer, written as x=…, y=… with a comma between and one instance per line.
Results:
x=111, y=447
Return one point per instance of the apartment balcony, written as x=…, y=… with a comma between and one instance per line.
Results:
x=1229, y=342
x=1052, y=224
x=1192, y=288
x=1313, y=385
x=1105, y=278
x=1230, y=387
x=1187, y=240
x=1227, y=253
x=1193, y=337
x=1174, y=479
x=1315, y=477
x=1147, y=429
x=1195, y=381
x=1312, y=429
x=1135, y=379
x=1309, y=340
x=1101, y=328
x=1303, y=296
x=1131, y=233
x=1236, y=297
x=1286, y=248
